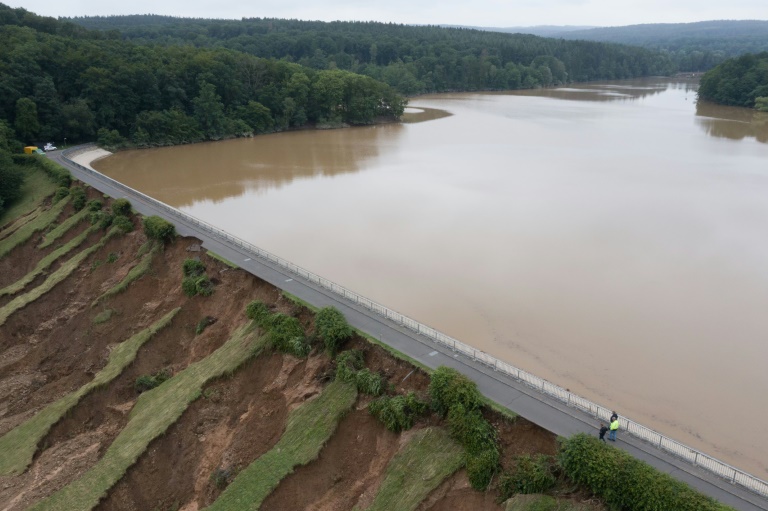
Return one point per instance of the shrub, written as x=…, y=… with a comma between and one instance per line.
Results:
x=481, y=467
x=188, y=286
x=203, y=324
x=192, y=268
x=369, y=382
x=157, y=228
x=471, y=429
x=78, y=198
x=332, y=328
x=61, y=192
x=121, y=207
x=448, y=387
x=398, y=413
x=147, y=382
x=101, y=218
x=123, y=223
x=285, y=334
x=94, y=205
x=204, y=286
x=625, y=482
x=347, y=364
x=112, y=257
x=530, y=475
x=258, y=312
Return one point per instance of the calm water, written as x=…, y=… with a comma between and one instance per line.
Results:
x=611, y=237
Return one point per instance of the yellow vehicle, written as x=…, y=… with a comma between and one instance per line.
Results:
x=31, y=149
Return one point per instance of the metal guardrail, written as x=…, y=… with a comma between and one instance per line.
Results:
x=696, y=458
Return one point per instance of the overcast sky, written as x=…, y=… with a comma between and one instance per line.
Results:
x=488, y=13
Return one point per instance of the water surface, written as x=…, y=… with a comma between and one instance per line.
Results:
x=608, y=237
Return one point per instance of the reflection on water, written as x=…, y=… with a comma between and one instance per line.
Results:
x=594, y=235
x=217, y=171
x=732, y=122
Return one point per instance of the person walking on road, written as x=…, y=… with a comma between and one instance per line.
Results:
x=614, y=429
x=603, y=431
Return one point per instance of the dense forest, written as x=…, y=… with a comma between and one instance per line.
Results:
x=692, y=46
x=412, y=59
x=741, y=81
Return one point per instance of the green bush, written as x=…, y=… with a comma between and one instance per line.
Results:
x=448, y=387
x=123, y=223
x=94, y=205
x=481, y=467
x=471, y=429
x=101, y=218
x=204, y=286
x=78, y=197
x=625, y=482
x=285, y=334
x=188, y=286
x=157, y=228
x=192, y=268
x=332, y=327
x=530, y=475
x=258, y=312
x=347, y=364
x=147, y=382
x=370, y=383
x=121, y=207
x=203, y=324
x=112, y=257
x=398, y=413
x=61, y=192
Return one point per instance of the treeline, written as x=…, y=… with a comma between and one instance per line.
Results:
x=691, y=46
x=741, y=81
x=59, y=80
x=412, y=59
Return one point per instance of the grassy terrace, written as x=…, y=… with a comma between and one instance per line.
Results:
x=35, y=188
x=47, y=261
x=135, y=274
x=153, y=413
x=54, y=278
x=308, y=428
x=26, y=231
x=18, y=445
x=421, y=465
x=65, y=226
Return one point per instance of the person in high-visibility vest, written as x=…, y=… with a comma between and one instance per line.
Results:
x=614, y=429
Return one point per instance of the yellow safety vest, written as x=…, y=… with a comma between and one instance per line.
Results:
x=614, y=425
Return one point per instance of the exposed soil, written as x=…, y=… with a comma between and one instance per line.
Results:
x=52, y=347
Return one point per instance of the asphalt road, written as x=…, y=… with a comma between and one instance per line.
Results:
x=517, y=397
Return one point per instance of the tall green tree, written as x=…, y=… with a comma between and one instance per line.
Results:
x=26, y=123
x=209, y=112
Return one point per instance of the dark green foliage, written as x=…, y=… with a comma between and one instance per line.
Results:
x=449, y=387
x=203, y=324
x=123, y=223
x=112, y=257
x=188, y=286
x=398, y=413
x=121, y=207
x=200, y=285
x=738, y=81
x=481, y=467
x=101, y=218
x=332, y=327
x=78, y=197
x=530, y=475
x=258, y=312
x=147, y=382
x=94, y=205
x=11, y=179
x=285, y=334
x=370, y=383
x=471, y=429
x=192, y=268
x=58, y=174
x=157, y=228
x=625, y=482
x=61, y=192
x=348, y=363
x=220, y=478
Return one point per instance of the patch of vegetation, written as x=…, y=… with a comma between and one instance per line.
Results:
x=45, y=262
x=102, y=219
x=19, y=445
x=398, y=413
x=417, y=469
x=448, y=387
x=739, y=81
x=159, y=229
x=285, y=334
x=154, y=412
x=78, y=197
x=531, y=474
x=258, y=311
x=61, y=193
x=123, y=223
x=195, y=282
x=349, y=369
x=135, y=274
x=221, y=477
x=203, y=324
x=522, y=502
x=392, y=351
x=147, y=382
x=121, y=207
x=94, y=205
x=625, y=482
x=34, y=189
x=103, y=316
x=192, y=268
x=229, y=263
x=332, y=327
x=308, y=428
x=112, y=258
x=62, y=229
x=54, y=278
x=23, y=233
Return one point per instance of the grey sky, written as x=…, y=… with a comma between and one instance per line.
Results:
x=497, y=13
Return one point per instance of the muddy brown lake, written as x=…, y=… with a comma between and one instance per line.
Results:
x=609, y=237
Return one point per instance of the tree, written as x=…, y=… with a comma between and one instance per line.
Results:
x=11, y=180
x=27, y=124
x=48, y=108
x=77, y=120
x=209, y=112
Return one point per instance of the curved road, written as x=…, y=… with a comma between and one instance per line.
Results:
x=522, y=400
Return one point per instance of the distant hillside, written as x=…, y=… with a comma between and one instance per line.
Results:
x=539, y=30
x=693, y=46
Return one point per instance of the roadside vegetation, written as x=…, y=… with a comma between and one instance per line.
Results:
x=34, y=187
x=19, y=445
